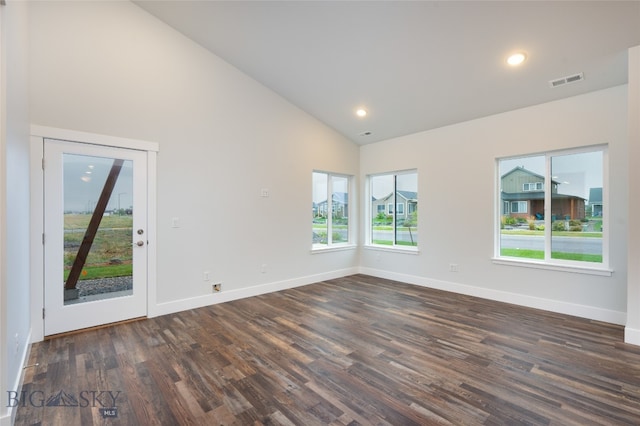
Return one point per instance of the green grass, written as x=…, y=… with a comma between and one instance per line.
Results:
x=597, y=223
x=539, y=254
x=106, y=271
x=107, y=245
x=595, y=258
x=112, y=241
x=81, y=221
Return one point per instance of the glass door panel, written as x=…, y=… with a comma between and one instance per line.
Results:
x=95, y=235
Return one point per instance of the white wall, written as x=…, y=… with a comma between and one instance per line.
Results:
x=3, y=216
x=632, y=330
x=111, y=68
x=14, y=151
x=456, y=168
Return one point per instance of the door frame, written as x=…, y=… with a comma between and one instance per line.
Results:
x=38, y=135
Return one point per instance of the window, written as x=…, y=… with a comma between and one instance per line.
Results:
x=330, y=208
x=554, y=221
x=389, y=226
x=518, y=207
x=536, y=186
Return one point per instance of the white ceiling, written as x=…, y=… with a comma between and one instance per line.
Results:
x=413, y=65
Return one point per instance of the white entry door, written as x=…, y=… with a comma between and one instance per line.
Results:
x=95, y=235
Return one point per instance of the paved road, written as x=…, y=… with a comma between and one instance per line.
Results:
x=580, y=245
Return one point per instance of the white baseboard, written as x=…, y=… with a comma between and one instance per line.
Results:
x=589, y=312
x=8, y=418
x=229, y=295
x=632, y=336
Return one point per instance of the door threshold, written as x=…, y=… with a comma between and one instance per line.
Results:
x=97, y=327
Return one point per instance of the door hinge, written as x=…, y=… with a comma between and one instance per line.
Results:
x=42, y=313
x=43, y=164
x=43, y=238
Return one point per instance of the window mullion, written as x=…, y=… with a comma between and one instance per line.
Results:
x=329, y=209
x=395, y=210
x=548, y=219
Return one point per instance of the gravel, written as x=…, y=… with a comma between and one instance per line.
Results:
x=103, y=285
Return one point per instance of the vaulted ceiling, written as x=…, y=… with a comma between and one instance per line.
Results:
x=414, y=65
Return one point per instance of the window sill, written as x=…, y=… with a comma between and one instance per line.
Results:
x=393, y=249
x=332, y=248
x=552, y=267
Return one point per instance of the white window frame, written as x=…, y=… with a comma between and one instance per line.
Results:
x=331, y=245
x=603, y=268
x=369, y=208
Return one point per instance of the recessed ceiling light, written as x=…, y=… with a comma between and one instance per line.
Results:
x=516, y=59
x=361, y=112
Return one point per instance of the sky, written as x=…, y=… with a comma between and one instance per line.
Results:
x=383, y=185
x=340, y=184
x=84, y=178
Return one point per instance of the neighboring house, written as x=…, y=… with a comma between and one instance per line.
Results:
x=340, y=205
x=595, y=201
x=522, y=193
x=406, y=203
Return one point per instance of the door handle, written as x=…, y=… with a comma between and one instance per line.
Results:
x=140, y=243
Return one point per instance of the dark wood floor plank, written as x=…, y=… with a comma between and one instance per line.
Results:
x=357, y=350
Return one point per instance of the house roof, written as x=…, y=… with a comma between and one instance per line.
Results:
x=522, y=169
x=407, y=195
x=534, y=195
x=340, y=197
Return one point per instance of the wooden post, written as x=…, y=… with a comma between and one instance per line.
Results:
x=92, y=229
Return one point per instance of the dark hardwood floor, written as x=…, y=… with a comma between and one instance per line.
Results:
x=355, y=350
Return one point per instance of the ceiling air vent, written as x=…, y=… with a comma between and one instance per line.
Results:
x=566, y=80
x=367, y=133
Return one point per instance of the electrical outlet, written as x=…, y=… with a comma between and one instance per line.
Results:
x=453, y=267
x=263, y=268
x=206, y=276
x=216, y=287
